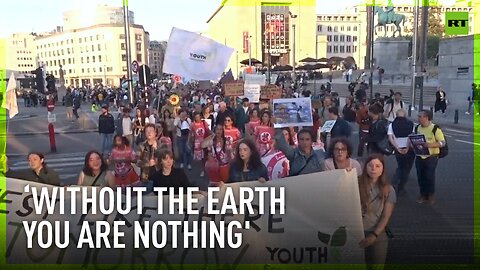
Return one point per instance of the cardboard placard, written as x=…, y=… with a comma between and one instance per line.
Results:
x=270, y=92
x=234, y=89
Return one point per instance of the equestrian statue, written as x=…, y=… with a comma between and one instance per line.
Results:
x=386, y=17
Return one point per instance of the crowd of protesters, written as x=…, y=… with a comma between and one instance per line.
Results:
x=153, y=142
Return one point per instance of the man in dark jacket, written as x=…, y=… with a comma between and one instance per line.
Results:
x=341, y=127
x=106, y=128
x=241, y=115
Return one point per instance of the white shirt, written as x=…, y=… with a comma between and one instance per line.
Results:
x=401, y=142
x=390, y=113
x=127, y=126
x=182, y=125
x=151, y=119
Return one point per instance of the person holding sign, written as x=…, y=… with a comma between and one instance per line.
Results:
x=94, y=171
x=247, y=165
x=38, y=171
x=377, y=199
x=264, y=133
x=426, y=164
x=339, y=155
x=303, y=159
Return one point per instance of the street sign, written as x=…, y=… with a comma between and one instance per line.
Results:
x=135, y=66
x=51, y=118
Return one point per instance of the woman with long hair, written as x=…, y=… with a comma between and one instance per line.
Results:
x=163, y=135
x=207, y=116
x=264, y=133
x=38, y=171
x=169, y=120
x=254, y=121
x=121, y=159
x=339, y=156
x=377, y=198
x=290, y=136
x=147, y=152
x=247, y=165
x=232, y=134
x=94, y=172
x=219, y=155
x=139, y=123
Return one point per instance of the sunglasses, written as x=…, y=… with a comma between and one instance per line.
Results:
x=228, y=120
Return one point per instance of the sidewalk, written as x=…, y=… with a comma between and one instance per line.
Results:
x=34, y=121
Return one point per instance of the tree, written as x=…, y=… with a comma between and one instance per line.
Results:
x=435, y=25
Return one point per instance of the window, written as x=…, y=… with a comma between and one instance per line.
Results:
x=139, y=57
x=319, y=28
x=63, y=62
x=109, y=69
x=349, y=28
x=342, y=49
x=354, y=28
x=85, y=39
x=99, y=58
x=138, y=37
x=99, y=47
x=354, y=38
x=88, y=70
x=329, y=38
x=123, y=46
x=354, y=48
x=335, y=49
x=122, y=36
x=349, y=38
x=342, y=38
x=124, y=68
x=93, y=48
x=100, y=69
x=98, y=37
x=329, y=29
x=88, y=59
x=81, y=60
x=94, y=70
x=335, y=38
x=139, y=46
x=69, y=60
x=335, y=29
x=86, y=48
x=342, y=28
x=329, y=49
x=54, y=62
x=124, y=57
x=91, y=38
x=68, y=50
x=83, y=70
x=349, y=49
x=62, y=51
x=93, y=59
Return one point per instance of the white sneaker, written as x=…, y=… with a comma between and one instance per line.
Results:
x=189, y=167
x=181, y=165
x=467, y=113
x=202, y=174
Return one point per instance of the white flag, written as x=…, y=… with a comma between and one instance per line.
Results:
x=194, y=56
x=10, y=99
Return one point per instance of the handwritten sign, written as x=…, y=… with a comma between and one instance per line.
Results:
x=327, y=127
x=233, y=89
x=270, y=92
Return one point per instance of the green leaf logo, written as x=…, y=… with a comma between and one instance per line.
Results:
x=324, y=238
x=339, y=237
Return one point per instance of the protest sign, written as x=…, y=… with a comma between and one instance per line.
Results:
x=327, y=127
x=292, y=112
x=233, y=89
x=331, y=230
x=270, y=92
x=252, y=92
x=417, y=141
x=259, y=79
x=195, y=56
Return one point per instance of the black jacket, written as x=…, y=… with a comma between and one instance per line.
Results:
x=341, y=129
x=106, y=124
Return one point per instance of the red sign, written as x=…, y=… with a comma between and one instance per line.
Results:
x=177, y=78
x=245, y=42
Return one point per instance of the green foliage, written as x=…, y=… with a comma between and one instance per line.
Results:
x=435, y=26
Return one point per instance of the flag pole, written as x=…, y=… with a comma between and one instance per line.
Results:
x=127, y=47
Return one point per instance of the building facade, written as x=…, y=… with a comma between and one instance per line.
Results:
x=274, y=32
x=21, y=54
x=156, y=55
x=346, y=33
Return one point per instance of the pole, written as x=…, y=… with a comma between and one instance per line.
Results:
x=238, y=71
x=293, y=25
x=126, y=26
x=414, y=54
x=372, y=38
x=249, y=51
x=105, y=75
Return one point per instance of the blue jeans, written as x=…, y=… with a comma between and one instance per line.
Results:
x=184, y=150
x=107, y=141
x=426, y=169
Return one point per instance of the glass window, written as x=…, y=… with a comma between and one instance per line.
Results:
x=139, y=46
x=349, y=28
x=99, y=58
x=354, y=38
x=329, y=49
x=335, y=29
x=342, y=38
x=124, y=57
x=354, y=28
x=93, y=48
x=88, y=59
x=342, y=28
x=139, y=57
x=329, y=29
x=124, y=68
x=93, y=59
x=81, y=60
x=122, y=36
x=335, y=49
x=342, y=49
x=319, y=28
x=123, y=46
x=100, y=69
x=349, y=38
x=63, y=62
x=99, y=47
x=335, y=38
x=329, y=38
x=349, y=49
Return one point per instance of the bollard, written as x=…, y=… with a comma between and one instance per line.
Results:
x=409, y=110
x=426, y=78
x=404, y=77
x=456, y=117
x=51, y=136
x=393, y=78
x=431, y=109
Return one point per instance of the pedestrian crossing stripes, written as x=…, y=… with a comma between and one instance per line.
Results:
x=59, y=164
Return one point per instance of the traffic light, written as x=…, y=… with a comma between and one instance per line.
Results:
x=39, y=80
x=144, y=73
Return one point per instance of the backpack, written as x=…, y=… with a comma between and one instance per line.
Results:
x=392, y=103
x=444, y=149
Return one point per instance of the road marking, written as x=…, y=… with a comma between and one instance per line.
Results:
x=55, y=165
x=458, y=131
x=52, y=161
x=467, y=142
x=448, y=136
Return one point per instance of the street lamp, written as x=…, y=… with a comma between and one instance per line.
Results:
x=293, y=28
x=249, y=51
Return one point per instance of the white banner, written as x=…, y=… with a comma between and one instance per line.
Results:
x=10, y=99
x=195, y=57
x=259, y=79
x=252, y=92
x=322, y=218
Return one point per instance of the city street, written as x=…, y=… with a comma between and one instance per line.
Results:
x=439, y=233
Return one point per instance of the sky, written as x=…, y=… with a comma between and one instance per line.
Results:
x=157, y=16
